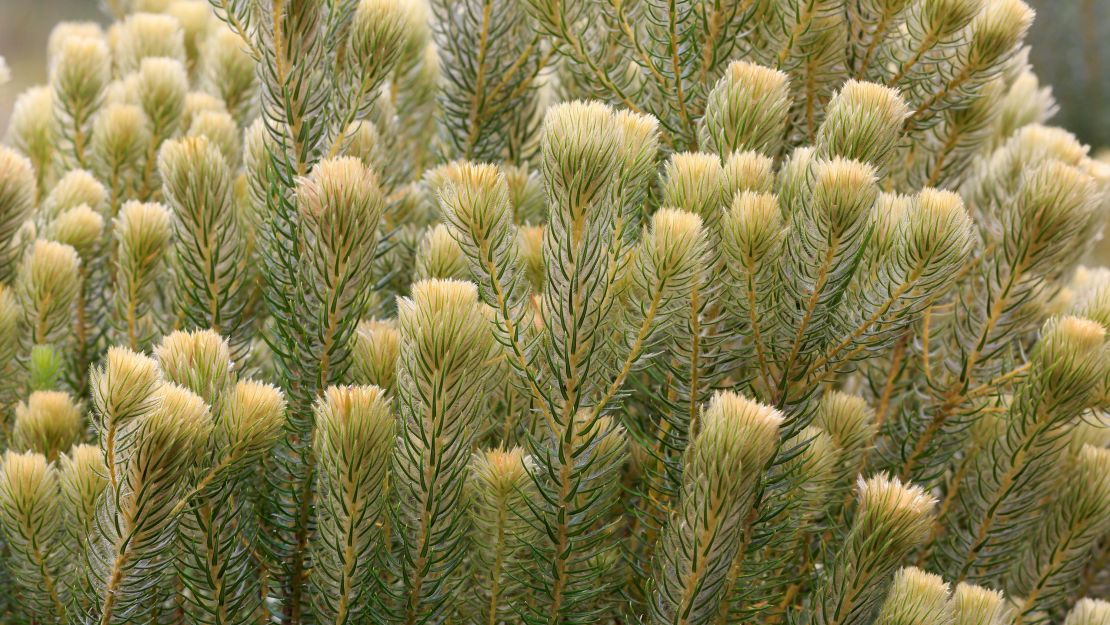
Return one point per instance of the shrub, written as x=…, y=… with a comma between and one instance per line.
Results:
x=551, y=312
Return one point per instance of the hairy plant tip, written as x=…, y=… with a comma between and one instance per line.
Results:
x=501, y=473
x=341, y=203
x=939, y=233
x=1089, y=612
x=375, y=347
x=385, y=30
x=639, y=145
x=1034, y=143
x=475, y=200
x=850, y=421
x=439, y=309
x=355, y=437
x=891, y=520
x=47, y=285
x=998, y=30
x=24, y=481
x=355, y=425
x=79, y=227
x=746, y=110
x=68, y=31
x=674, y=250
x=843, y=193
x=723, y=464
x=76, y=187
x=148, y=35
x=252, y=416
x=889, y=218
x=756, y=424
x=975, y=605
x=747, y=171
x=863, y=123
x=916, y=598
x=1056, y=205
x=1071, y=353
x=752, y=228
x=123, y=388
x=30, y=519
x=884, y=500
x=440, y=256
x=181, y=420
x=49, y=423
x=17, y=198
x=199, y=361
x=579, y=148
x=79, y=74
x=692, y=181
x=143, y=231
x=219, y=128
x=180, y=160
x=31, y=128
x=161, y=87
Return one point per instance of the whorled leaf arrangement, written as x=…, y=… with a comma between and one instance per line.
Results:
x=551, y=312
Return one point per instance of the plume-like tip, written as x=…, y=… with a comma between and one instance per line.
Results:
x=863, y=122
x=253, y=415
x=748, y=171
x=376, y=345
x=693, y=182
x=1089, y=612
x=975, y=605
x=843, y=191
x=674, y=248
x=440, y=256
x=747, y=110
x=199, y=360
x=49, y=423
x=122, y=387
x=915, y=598
x=79, y=228
x=148, y=35
x=752, y=226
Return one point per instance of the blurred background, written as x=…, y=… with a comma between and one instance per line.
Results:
x=1070, y=38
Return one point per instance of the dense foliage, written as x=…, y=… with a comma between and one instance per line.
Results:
x=551, y=311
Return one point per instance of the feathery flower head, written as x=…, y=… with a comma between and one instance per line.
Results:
x=148, y=35
x=49, y=423
x=375, y=347
x=915, y=598
x=692, y=181
x=748, y=171
x=199, y=361
x=747, y=110
x=79, y=227
x=863, y=123
x=752, y=226
x=975, y=605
